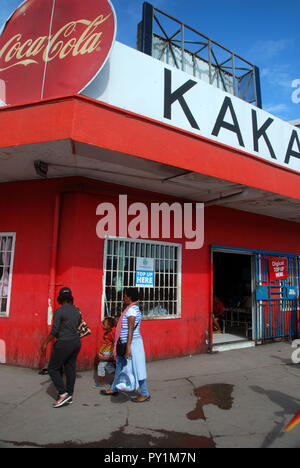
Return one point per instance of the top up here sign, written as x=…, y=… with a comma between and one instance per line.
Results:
x=144, y=272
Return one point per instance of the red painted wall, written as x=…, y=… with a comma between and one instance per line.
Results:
x=27, y=210
x=28, y=207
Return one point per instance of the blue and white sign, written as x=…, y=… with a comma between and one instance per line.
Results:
x=144, y=272
x=292, y=292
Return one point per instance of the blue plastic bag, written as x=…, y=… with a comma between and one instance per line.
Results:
x=126, y=381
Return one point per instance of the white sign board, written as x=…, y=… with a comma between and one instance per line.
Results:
x=143, y=85
x=144, y=272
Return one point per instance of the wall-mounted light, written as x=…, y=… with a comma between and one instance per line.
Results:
x=41, y=168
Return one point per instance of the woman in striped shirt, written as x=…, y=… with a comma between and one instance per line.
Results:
x=128, y=330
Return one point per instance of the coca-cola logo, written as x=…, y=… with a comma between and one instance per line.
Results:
x=52, y=48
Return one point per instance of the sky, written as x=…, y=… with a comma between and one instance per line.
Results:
x=264, y=32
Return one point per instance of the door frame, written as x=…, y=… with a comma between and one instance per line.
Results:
x=235, y=251
x=241, y=251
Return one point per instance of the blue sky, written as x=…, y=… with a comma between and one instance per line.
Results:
x=265, y=32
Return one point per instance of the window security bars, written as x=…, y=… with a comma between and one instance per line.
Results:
x=7, y=246
x=120, y=258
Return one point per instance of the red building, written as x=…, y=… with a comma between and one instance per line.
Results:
x=60, y=158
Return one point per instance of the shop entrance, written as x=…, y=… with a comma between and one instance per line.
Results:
x=233, y=297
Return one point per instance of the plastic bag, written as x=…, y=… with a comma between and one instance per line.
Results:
x=126, y=380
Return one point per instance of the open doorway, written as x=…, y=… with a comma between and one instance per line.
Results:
x=232, y=292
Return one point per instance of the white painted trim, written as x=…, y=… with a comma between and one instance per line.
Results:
x=13, y=235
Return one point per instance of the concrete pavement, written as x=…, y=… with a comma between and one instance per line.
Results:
x=235, y=399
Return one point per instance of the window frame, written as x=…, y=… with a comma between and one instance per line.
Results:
x=10, y=276
x=152, y=242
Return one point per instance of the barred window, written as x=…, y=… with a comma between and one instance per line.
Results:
x=7, y=247
x=120, y=260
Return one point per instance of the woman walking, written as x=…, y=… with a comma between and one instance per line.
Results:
x=66, y=349
x=128, y=330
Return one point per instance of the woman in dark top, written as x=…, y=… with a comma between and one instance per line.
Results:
x=66, y=349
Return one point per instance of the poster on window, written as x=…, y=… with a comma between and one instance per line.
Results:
x=278, y=268
x=144, y=272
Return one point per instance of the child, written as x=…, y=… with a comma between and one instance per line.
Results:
x=218, y=314
x=106, y=352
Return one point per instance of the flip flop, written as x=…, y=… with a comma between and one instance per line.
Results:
x=105, y=393
x=135, y=400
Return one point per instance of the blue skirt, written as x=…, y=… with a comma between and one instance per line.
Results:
x=138, y=359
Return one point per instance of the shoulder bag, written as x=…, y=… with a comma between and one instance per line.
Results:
x=121, y=347
x=83, y=329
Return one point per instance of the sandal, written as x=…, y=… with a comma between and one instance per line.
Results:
x=136, y=400
x=63, y=399
x=106, y=393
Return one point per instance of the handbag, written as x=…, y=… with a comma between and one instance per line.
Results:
x=121, y=347
x=83, y=329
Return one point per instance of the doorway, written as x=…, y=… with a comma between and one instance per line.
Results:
x=233, y=297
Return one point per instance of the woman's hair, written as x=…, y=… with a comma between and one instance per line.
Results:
x=65, y=297
x=133, y=293
x=111, y=321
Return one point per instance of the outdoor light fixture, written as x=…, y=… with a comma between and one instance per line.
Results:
x=41, y=168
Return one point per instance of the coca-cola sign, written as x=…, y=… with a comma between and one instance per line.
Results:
x=52, y=48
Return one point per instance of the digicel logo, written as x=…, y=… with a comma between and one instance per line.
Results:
x=52, y=48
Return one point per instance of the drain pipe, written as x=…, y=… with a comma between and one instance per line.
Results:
x=54, y=248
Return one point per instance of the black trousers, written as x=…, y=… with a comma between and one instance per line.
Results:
x=64, y=354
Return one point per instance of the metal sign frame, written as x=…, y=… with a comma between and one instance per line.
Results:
x=170, y=40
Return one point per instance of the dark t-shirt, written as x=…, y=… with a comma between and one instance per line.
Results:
x=65, y=322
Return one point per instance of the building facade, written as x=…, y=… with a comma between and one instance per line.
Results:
x=144, y=136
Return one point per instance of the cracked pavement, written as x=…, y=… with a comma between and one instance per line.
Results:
x=235, y=399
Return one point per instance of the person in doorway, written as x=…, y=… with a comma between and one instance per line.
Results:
x=218, y=314
x=66, y=348
x=106, y=352
x=128, y=330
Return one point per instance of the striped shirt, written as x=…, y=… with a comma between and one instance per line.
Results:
x=134, y=311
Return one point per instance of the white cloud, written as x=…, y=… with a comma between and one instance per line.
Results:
x=264, y=50
x=277, y=75
x=277, y=108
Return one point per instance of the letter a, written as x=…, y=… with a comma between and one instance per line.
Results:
x=107, y=225
x=227, y=104
x=290, y=153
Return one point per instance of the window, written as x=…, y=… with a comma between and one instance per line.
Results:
x=7, y=247
x=120, y=258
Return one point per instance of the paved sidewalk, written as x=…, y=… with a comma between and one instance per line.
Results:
x=235, y=399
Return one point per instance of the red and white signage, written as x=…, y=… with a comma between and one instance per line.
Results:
x=52, y=48
x=278, y=268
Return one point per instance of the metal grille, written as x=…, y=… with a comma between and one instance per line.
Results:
x=277, y=313
x=173, y=42
x=160, y=301
x=7, y=245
